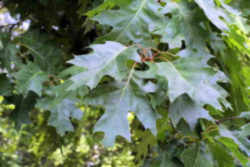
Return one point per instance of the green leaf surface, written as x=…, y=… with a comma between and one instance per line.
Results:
x=230, y=144
x=235, y=136
x=61, y=114
x=183, y=24
x=62, y=106
x=107, y=4
x=239, y=89
x=245, y=115
x=124, y=63
x=30, y=78
x=147, y=140
x=242, y=6
x=221, y=155
x=186, y=108
x=106, y=59
x=195, y=157
x=45, y=52
x=24, y=105
x=165, y=161
x=117, y=104
x=8, y=52
x=221, y=16
x=189, y=75
x=5, y=85
x=133, y=22
x=214, y=13
x=243, y=136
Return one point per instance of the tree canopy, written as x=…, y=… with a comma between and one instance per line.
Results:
x=113, y=83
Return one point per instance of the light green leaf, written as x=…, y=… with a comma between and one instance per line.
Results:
x=230, y=144
x=107, y=4
x=221, y=16
x=61, y=112
x=239, y=90
x=221, y=155
x=215, y=13
x=60, y=116
x=243, y=136
x=245, y=115
x=106, y=59
x=243, y=6
x=238, y=40
x=192, y=76
x=239, y=138
x=147, y=140
x=30, y=78
x=62, y=106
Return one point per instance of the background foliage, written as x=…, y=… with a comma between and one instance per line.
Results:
x=125, y=83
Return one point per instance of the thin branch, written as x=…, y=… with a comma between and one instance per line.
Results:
x=226, y=119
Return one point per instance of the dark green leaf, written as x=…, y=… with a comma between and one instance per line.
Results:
x=117, y=104
x=133, y=22
x=184, y=107
x=221, y=155
x=195, y=157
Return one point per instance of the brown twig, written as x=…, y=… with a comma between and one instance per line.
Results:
x=226, y=119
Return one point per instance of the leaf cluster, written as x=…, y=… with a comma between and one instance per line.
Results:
x=169, y=77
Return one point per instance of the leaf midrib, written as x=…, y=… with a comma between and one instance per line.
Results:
x=181, y=75
x=108, y=62
x=132, y=20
